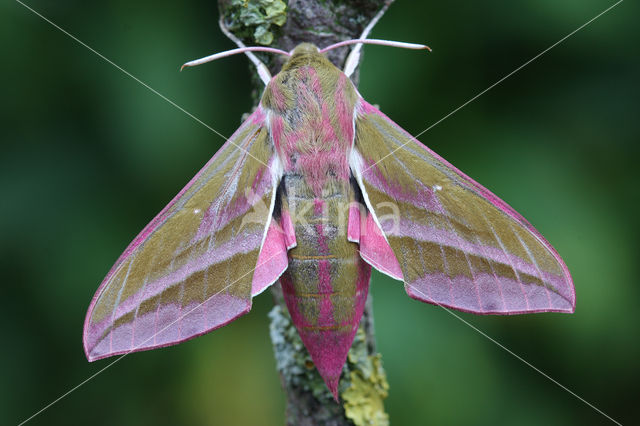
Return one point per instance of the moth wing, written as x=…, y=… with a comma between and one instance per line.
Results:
x=457, y=244
x=191, y=269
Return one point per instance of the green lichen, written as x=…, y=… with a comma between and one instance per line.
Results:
x=363, y=385
x=256, y=20
x=292, y=359
x=363, y=399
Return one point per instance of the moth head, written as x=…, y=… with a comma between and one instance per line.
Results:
x=304, y=49
x=305, y=54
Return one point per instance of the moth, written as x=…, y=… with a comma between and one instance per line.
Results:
x=314, y=189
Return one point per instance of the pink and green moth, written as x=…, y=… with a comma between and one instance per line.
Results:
x=314, y=189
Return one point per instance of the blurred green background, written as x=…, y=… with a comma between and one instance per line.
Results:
x=89, y=156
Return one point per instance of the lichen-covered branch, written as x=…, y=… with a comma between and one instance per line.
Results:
x=321, y=22
x=363, y=384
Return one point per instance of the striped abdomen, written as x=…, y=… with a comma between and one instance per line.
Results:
x=325, y=286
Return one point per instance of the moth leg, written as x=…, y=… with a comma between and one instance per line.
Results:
x=353, y=59
x=261, y=68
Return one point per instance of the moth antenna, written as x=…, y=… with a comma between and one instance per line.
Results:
x=390, y=43
x=263, y=72
x=354, y=57
x=233, y=52
x=261, y=68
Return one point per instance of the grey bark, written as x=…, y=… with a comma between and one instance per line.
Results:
x=363, y=384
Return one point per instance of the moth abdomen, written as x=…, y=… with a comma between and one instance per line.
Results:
x=323, y=298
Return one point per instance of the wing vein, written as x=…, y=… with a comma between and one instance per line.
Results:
x=506, y=255
x=535, y=263
x=117, y=302
x=490, y=262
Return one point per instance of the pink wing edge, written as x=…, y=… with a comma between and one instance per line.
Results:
x=270, y=260
x=273, y=260
x=364, y=107
x=374, y=248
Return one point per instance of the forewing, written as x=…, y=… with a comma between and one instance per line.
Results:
x=190, y=270
x=458, y=245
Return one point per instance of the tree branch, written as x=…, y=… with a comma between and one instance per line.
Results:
x=363, y=385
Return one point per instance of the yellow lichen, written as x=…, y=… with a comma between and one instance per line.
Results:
x=363, y=399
